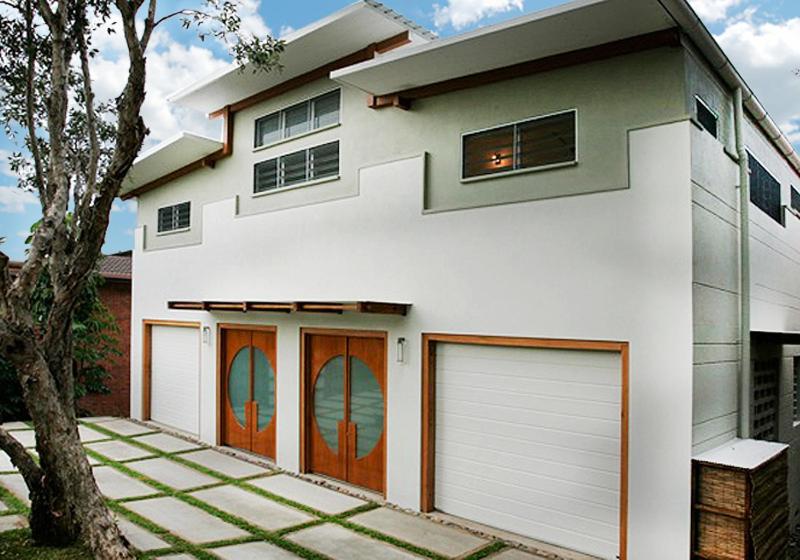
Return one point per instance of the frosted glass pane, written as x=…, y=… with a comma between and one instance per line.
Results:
x=239, y=384
x=263, y=388
x=366, y=407
x=329, y=401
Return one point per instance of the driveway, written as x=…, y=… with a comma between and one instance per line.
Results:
x=178, y=499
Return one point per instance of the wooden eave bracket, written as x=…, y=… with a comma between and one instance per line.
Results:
x=335, y=307
x=393, y=100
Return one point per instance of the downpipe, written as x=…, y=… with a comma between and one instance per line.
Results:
x=745, y=366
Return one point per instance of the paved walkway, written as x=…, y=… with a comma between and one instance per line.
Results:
x=180, y=500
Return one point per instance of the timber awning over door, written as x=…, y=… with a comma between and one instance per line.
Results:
x=375, y=307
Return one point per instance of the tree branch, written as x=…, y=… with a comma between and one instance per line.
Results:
x=30, y=107
x=21, y=459
x=91, y=115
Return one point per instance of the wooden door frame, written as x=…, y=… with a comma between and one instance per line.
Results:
x=221, y=367
x=305, y=332
x=147, y=356
x=429, y=341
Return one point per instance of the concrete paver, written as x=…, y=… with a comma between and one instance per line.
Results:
x=253, y=551
x=97, y=419
x=88, y=435
x=139, y=537
x=312, y=495
x=5, y=463
x=176, y=557
x=8, y=426
x=3, y=507
x=167, y=443
x=119, y=450
x=25, y=437
x=172, y=474
x=342, y=544
x=259, y=511
x=225, y=464
x=444, y=540
x=12, y=523
x=15, y=484
x=188, y=522
x=126, y=427
x=117, y=486
x=515, y=554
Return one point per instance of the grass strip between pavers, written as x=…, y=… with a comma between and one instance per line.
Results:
x=14, y=504
x=274, y=537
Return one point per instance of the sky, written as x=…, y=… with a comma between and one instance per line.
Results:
x=762, y=37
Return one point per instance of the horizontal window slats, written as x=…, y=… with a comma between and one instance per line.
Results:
x=175, y=217
x=528, y=144
x=309, y=115
x=297, y=167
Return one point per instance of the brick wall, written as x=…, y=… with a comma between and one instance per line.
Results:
x=116, y=295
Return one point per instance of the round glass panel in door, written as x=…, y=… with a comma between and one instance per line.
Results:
x=263, y=389
x=239, y=385
x=366, y=407
x=329, y=401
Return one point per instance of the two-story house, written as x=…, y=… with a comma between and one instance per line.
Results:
x=520, y=276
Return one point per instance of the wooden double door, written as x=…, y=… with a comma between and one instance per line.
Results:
x=248, y=389
x=345, y=410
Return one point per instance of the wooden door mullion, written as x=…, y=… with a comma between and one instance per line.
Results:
x=344, y=453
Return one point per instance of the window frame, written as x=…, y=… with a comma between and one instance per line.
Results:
x=795, y=391
x=708, y=108
x=282, y=120
x=307, y=150
x=159, y=231
x=549, y=166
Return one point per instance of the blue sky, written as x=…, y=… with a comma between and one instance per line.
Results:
x=761, y=36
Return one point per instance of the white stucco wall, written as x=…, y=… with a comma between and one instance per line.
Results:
x=608, y=266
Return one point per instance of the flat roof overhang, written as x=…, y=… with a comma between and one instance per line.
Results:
x=573, y=26
x=344, y=32
x=336, y=307
x=168, y=157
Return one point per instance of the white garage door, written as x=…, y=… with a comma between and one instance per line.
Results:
x=528, y=440
x=175, y=377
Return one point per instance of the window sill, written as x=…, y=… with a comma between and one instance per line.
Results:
x=518, y=172
x=297, y=186
x=172, y=231
x=295, y=137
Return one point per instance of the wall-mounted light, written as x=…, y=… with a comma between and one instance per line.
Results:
x=401, y=350
x=206, y=335
x=497, y=159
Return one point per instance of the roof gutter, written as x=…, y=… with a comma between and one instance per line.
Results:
x=695, y=30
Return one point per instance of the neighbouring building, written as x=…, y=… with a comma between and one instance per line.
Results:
x=115, y=293
x=505, y=275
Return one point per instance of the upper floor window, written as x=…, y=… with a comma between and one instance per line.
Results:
x=707, y=118
x=296, y=168
x=530, y=144
x=765, y=190
x=175, y=217
x=795, y=202
x=319, y=112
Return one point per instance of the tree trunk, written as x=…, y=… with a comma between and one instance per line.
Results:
x=67, y=505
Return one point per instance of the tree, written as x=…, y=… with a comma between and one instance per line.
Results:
x=95, y=330
x=75, y=152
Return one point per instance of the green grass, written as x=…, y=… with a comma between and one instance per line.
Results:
x=17, y=545
x=24, y=548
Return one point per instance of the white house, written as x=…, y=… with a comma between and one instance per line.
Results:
x=504, y=275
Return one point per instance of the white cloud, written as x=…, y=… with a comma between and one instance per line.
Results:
x=116, y=207
x=252, y=22
x=766, y=53
x=24, y=234
x=461, y=13
x=712, y=11
x=285, y=30
x=13, y=200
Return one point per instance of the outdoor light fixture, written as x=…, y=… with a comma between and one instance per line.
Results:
x=497, y=159
x=401, y=350
x=206, y=335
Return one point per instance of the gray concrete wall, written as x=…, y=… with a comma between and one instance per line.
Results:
x=606, y=112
